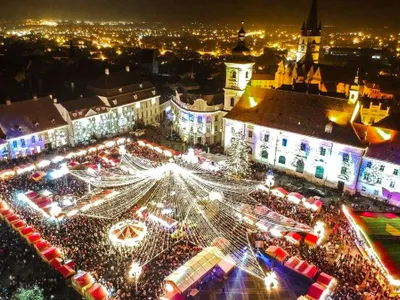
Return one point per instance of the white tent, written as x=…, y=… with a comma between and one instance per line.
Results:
x=193, y=270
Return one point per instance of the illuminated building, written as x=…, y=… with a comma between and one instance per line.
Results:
x=373, y=111
x=31, y=126
x=198, y=114
x=310, y=40
x=88, y=118
x=302, y=134
x=130, y=99
x=198, y=118
x=239, y=69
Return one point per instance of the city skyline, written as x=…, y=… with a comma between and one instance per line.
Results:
x=336, y=13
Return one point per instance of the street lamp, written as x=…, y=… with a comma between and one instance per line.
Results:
x=135, y=272
x=271, y=281
x=269, y=181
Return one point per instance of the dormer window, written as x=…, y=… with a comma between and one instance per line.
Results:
x=329, y=127
x=120, y=90
x=80, y=113
x=19, y=128
x=37, y=124
x=135, y=97
x=141, y=86
x=97, y=108
x=74, y=114
x=153, y=92
x=53, y=121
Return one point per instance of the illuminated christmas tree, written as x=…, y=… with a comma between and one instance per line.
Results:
x=238, y=163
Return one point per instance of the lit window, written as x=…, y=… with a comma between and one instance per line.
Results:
x=40, y=138
x=199, y=119
x=33, y=139
x=14, y=144
x=138, y=105
x=284, y=142
x=22, y=142
x=153, y=101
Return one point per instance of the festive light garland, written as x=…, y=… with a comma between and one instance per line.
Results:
x=205, y=207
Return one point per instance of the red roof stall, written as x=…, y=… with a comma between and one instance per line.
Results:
x=279, y=192
x=19, y=225
x=65, y=271
x=11, y=219
x=326, y=280
x=26, y=231
x=316, y=291
x=82, y=281
x=277, y=252
x=301, y=266
x=292, y=262
x=293, y=237
x=311, y=239
x=42, y=245
x=96, y=292
x=6, y=212
x=33, y=238
x=310, y=271
x=295, y=197
x=50, y=254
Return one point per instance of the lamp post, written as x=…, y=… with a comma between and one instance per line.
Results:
x=269, y=181
x=135, y=272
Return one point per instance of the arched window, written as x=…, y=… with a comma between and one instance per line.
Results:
x=300, y=166
x=264, y=154
x=247, y=74
x=249, y=150
x=233, y=74
x=319, y=172
x=282, y=160
x=232, y=101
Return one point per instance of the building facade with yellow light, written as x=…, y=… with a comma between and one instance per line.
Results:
x=198, y=119
x=309, y=136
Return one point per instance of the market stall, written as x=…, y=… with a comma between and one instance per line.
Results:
x=295, y=197
x=293, y=237
x=279, y=192
x=82, y=281
x=96, y=292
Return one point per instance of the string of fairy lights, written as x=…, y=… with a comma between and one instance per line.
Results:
x=177, y=203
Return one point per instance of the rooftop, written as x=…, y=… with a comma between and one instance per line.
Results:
x=27, y=117
x=305, y=114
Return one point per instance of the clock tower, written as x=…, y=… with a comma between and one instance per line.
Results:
x=239, y=69
x=310, y=40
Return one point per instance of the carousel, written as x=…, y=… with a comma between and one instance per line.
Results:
x=127, y=233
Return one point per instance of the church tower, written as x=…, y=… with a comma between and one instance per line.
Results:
x=239, y=69
x=310, y=40
x=354, y=92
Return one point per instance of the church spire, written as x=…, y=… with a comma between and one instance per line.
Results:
x=241, y=48
x=312, y=19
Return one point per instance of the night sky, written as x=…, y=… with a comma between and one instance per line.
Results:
x=359, y=13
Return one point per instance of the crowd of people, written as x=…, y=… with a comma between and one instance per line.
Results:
x=338, y=256
x=84, y=240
